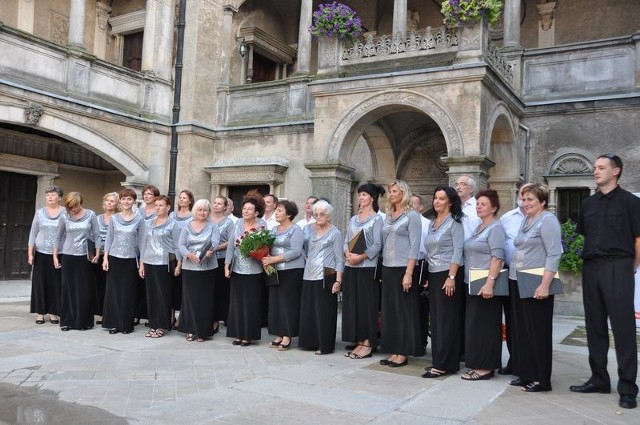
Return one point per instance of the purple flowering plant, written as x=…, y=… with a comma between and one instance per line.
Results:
x=458, y=12
x=336, y=19
x=572, y=246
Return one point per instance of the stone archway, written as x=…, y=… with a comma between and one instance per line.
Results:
x=500, y=144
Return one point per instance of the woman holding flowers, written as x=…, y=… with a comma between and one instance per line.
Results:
x=286, y=255
x=246, y=276
x=197, y=242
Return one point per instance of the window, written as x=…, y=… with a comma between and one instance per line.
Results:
x=569, y=201
x=132, y=51
x=263, y=69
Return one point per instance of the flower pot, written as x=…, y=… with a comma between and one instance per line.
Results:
x=473, y=40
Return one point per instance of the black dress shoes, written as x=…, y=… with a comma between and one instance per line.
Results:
x=519, y=382
x=384, y=362
x=628, y=401
x=590, y=387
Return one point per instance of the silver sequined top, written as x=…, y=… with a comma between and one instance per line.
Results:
x=290, y=244
x=322, y=251
x=482, y=246
x=537, y=245
x=143, y=215
x=182, y=221
x=122, y=237
x=372, y=228
x=157, y=241
x=401, y=239
x=75, y=232
x=226, y=227
x=44, y=230
x=103, y=225
x=198, y=243
x=240, y=264
x=445, y=245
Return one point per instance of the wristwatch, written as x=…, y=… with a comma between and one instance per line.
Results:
x=452, y=277
x=491, y=277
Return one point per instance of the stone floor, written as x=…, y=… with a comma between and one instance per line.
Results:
x=53, y=377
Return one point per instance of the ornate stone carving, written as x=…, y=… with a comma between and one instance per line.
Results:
x=571, y=164
x=499, y=63
x=32, y=113
x=547, y=12
x=413, y=20
x=102, y=15
x=59, y=29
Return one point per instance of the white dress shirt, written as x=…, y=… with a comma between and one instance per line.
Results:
x=511, y=221
x=470, y=220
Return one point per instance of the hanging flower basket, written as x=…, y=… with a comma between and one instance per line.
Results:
x=336, y=20
x=459, y=12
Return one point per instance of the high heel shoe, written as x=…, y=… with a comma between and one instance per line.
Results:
x=284, y=347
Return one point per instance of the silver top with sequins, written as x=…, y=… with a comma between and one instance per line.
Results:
x=322, y=251
x=482, y=246
x=401, y=239
x=198, y=243
x=289, y=243
x=75, y=232
x=157, y=241
x=103, y=231
x=44, y=230
x=538, y=244
x=122, y=237
x=240, y=264
x=372, y=228
x=445, y=244
x=226, y=227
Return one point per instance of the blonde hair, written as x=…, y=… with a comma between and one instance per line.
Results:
x=199, y=204
x=72, y=200
x=405, y=203
x=111, y=195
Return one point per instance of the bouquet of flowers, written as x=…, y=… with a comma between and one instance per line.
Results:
x=256, y=244
x=336, y=19
x=458, y=12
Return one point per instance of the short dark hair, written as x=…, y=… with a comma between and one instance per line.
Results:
x=128, y=193
x=539, y=191
x=166, y=200
x=615, y=160
x=257, y=202
x=275, y=198
x=151, y=188
x=290, y=208
x=493, y=198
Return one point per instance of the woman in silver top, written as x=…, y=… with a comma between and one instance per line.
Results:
x=121, y=264
x=147, y=211
x=445, y=244
x=286, y=256
x=538, y=245
x=110, y=203
x=221, y=291
x=75, y=228
x=401, y=323
x=322, y=280
x=45, y=279
x=158, y=239
x=197, y=243
x=246, y=275
x=483, y=330
x=181, y=215
x=360, y=289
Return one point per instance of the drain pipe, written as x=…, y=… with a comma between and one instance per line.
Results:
x=527, y=151
x=177, y=91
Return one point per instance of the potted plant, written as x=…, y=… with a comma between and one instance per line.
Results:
x=457, y=13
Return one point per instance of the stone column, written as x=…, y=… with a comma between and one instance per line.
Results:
x=333, y=181
x=76, y=23
x=26, y=14
x=474, y=166
x=228, y=43
x=512, y=12
x=157, y=45
x=400, y=18
x=100, y=34
x=303, y=63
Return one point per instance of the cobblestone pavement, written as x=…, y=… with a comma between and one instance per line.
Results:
x=53, y=377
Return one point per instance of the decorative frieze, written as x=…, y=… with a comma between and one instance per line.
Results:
x=499, y=63
x=32, y=113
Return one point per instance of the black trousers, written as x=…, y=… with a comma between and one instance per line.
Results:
x=608, y=291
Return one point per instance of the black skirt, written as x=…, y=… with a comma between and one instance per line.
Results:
x=141, y=299
x=176, y=286
x=245, y=306
x=159, y=295
x=284, y=303
x=318, y=317
x=100, y=278
x=401, y=326
x=196, y=312
x=77, y=292
x=445, y=323
x=45, y=285
x=360, y=301
x=221, y=294
x=120, y=298
x=483, y=332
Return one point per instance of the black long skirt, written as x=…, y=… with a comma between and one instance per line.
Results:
x=401, y=323
x=318, y=317
x=445, y=321
x=360, y=301
x=100, y=277
x=141, y=309
x=245, y=306
x=45, y=285
x=483, y=337
x=196, y=312
x=120, y=298
x=159, y=295
x=77, y=292
x=176, y=286
x=221, y=294
x=284, y=303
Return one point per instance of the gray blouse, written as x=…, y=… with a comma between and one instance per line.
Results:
x=401, y=239
x=44, y=230
x=198, y=242
x=482, y=246
x=76, y=232
x=157, y=241
x=445, y=244
x=226, y=227
x=240, y=264
x=290, y=243
x=173, y=215
x=322, y=251
x=143, y=215
x=104, y=226
x=537, y=245
x=372, y=230
x=122, y=237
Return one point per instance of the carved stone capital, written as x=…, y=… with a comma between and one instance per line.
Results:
x=547, y=13
x=32, y=113
x=102, y=15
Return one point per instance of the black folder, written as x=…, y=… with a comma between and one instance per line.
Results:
x=358, y=244
x=478, y=277
x=529, y=280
